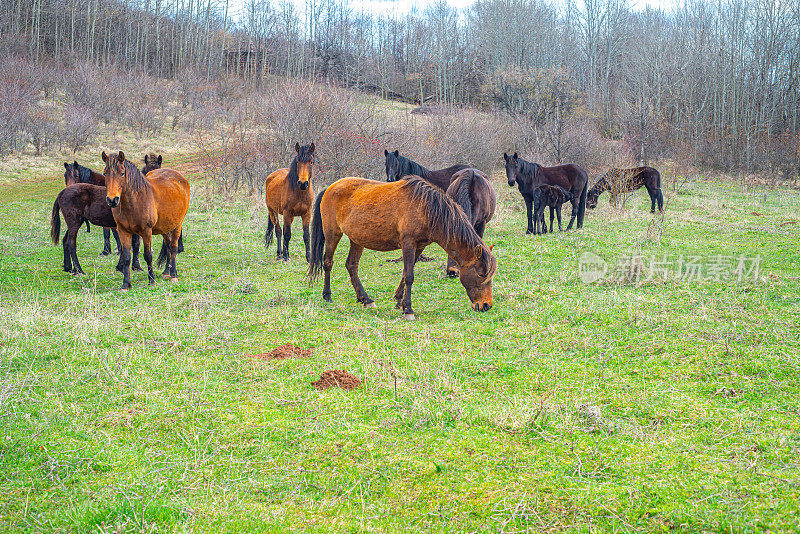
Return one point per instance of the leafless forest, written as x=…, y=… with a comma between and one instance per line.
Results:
x=710, y=83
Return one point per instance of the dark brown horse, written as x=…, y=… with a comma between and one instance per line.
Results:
x=78, y=174
x=398, y=166
x=155, y=204
x=151, y=163
x=548, y=196
x=289, y=193
x=82, y=203
x=472, y=191
x=618, y=181
x=409, y=214
x=528, y=175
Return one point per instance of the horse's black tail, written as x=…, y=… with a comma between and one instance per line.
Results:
x=582, y=204
x=317, y=239
x=55, y=221
x=270, y=231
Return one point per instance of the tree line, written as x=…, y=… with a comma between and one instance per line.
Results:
x=711, y=80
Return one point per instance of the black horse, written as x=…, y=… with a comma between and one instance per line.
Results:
x=472, y=191
x=82, y=203
x=528, y=175
x=398, y=166
x=548, y=196
x=626, y=181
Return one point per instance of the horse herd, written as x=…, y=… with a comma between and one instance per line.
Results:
x=412, y=209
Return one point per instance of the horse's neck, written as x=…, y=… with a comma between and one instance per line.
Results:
x=455, y=247
x=419, y=170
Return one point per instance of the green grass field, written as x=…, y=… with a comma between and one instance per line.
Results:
x=618, y=406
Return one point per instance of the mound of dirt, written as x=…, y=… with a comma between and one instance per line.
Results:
x=336, y=378
x=282, y=352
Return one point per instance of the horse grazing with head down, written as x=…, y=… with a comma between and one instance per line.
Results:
x=155, y=204
x=471, y=190
x=409, y=214
x=289, y=192
x=398, y=166
x=527, y=176
x=618, y=181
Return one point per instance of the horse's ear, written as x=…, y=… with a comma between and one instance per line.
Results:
x=297, y=147
x=516, y=156
x=385, y=152
x=397, y=153
x=145, y=159
x=313, y=147
x=105, y=157
x=505, y=156
x=159, y=159
x=121, y=156
x=66, y=165
x=491, y=248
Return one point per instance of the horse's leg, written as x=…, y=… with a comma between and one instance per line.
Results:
x=306, y=217
x=398, y=294
x=574, y=214
x=558, y=214
x=135, y=243
x=552, y=216
x=276, y=222
x=353, y=257
x=174, y=246
x=529, y=208
x=147, y=240
x=67, y=255
x=410, y=255
x=72, y=244
x=125, y=258
x=327, y=263
x=106, y=242
x=116, y=238
x=288, y=218
x=660, y=199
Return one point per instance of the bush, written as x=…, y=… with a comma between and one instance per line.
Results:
x=79, y=126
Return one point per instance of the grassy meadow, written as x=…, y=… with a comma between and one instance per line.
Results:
x=655, y=405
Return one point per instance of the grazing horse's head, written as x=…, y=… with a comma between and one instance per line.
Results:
x=115, y=173
x=393, y=165
x=151, y=163
x=476, y=277
x=72, y=174
x=305, y=162
x=512, y=168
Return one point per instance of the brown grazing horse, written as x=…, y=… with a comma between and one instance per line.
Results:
x=82, y=203
x=155, y=204
x=527, y=176
x=398, y=167
x=472, y=191
x=626, y=181
x=289, y=192
x=409, y=214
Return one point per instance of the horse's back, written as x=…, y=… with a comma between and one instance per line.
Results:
x=570, y=176
x=273, y=188
x=171, y=195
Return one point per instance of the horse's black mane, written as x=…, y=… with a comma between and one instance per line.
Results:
x=527, y=169
x=411, y=167
x=292, y=176
x=442, y=211
x=133, y=176
x=600, y=186
x=84, y=174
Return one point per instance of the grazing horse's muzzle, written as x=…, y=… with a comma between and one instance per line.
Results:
x=113, y=202
x=482, y=306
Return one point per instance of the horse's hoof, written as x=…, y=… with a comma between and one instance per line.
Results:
x=106, y=253
x=370, y=305
x=174, y=279
x=124, y=289
x=165, y=276
x=136, y=268
x=409, y=316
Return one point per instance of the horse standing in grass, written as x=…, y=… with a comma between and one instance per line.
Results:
x=544, y=196
x=409, y=214
x=471, y=190
x=155, y=204
x=626, y=181
x=528, y=175
x=78, y=174
x=398, y=166
x=83, y=203
x=289, y=193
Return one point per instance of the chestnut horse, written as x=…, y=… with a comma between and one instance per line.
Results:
x=528, y=175
x=398, y=166
x=289, y=192
x=155, y=204
x=472, y=191
x=409, y=214
x=626, y=181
